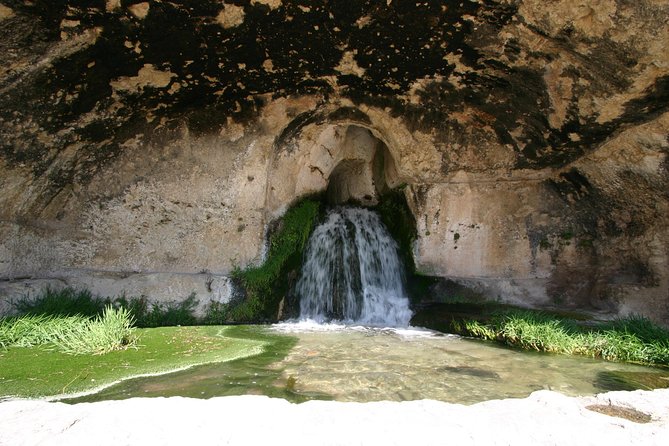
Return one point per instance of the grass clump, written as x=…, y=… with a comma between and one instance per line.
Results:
x=264, y=286
x=151, y=315
x=32, y=331
x=634, y=339
x=62, y=302
x=76, y=335
x=112, y=331
x=75, y=302
x=537, y=331
x=40, y=372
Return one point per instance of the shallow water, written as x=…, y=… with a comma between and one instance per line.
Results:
x=371, y=364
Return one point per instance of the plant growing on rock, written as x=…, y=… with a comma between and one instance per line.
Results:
x=263, y=287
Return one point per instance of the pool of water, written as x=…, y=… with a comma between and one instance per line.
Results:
x=372, y=364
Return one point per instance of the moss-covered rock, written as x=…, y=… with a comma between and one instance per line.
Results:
x=264, y=289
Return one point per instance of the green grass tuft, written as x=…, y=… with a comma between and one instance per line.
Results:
x=76, y=335
x=62, y=302
x=31, y=331
x=111, y=331
x=150, y=315
x=634, y=339
x=537, y=331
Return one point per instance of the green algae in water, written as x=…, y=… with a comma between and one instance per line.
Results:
x=363, y=364
x=40, y=372
x=622, y=380
x=253, y=375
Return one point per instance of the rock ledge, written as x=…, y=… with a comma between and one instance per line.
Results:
x=544, y=417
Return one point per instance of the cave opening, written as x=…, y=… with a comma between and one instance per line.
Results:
x=363, y=169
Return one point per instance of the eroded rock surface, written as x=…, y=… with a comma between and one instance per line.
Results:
x=163, y=137
x=555, y=419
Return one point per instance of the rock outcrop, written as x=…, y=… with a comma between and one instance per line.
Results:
x=614, y=418
x=139, y=138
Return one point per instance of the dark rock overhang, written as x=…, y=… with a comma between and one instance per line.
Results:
x=95, y=73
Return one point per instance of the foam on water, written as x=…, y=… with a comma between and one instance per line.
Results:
x=311, y=326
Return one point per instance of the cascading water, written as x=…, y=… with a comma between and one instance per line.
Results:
x=352, y=273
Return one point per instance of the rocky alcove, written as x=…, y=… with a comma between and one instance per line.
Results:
x=146, y=146
x=360, y=176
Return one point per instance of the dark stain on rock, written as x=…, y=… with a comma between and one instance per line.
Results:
x=349, y=114
x=572, y=185
x=295, y=49
x=292, y=131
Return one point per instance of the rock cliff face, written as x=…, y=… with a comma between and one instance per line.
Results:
x=146, y=146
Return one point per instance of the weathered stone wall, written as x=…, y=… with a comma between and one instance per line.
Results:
x=145, y=147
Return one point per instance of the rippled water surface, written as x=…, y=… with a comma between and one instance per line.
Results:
x=365, y=364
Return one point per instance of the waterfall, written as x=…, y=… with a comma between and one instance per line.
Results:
x=352, y=273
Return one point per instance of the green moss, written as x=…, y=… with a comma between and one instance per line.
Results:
x=398, y=218
x=38, y=372
x=264, y=287
x=567, y=235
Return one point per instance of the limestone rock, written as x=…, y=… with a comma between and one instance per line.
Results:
x=555, y=419
x=165, y=137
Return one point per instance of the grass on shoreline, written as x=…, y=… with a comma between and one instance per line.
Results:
x=633, y=339
x=38, y=372
x=76, y=335
x=66, y=302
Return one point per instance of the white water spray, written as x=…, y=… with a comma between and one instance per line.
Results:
x=352, y=272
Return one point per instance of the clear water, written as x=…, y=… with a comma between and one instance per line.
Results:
x=373, y=364
x=352, y=273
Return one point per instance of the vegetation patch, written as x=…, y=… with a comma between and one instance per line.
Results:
x=62, y=302
x=70, y=302
x=398, y=218
x=263, y=287
x=158, y=314
x=40, y=372
x=76, y=335
x=634, y=339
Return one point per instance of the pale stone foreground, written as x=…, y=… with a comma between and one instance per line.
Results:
x=543, y=418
